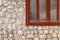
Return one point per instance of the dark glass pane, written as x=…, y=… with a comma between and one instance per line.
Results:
x=42, y=10
x=53, y=10
x=32, y=10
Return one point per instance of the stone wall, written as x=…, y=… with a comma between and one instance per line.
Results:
x=12, y=24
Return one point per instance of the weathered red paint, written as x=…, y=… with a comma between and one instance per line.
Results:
x=57, y=11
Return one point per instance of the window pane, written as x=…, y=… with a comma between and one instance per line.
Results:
x=42, y=10
x=32, y=10
x=53, y=10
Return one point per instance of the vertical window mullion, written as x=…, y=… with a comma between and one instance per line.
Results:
x=47, y=10
x=57, y=6
x=37, y=10
x=27, y=11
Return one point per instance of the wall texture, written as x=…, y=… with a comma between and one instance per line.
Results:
x=12, y=24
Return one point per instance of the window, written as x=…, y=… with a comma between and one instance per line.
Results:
x=42, y=12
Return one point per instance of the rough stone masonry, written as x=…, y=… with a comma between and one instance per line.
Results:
x=12, y=24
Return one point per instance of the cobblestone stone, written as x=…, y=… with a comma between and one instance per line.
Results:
x=32, y=32
x=4, y=9
x=30, y=36
x=24, y=27
x=51, y=31
x=49, y=36
x=40, y=31
x=30, y=27
x=0, y=36
x=5, y=36
x=42, y=39
x=0, y=2
x=10, y=38
x=46, y=31
x=49, y=39
x=55, y=38
x=35, y=31
x=13, y=15
x=42, y=36
x=28, y=32
x=11, y=35
x=5, y=32
x=6, y=2
x=1, y=32
x=58, y=34
x=20, y=32
x=15, y=31
x=36, y=38
x=5, y=39
x=54, y=34
x=59, y=38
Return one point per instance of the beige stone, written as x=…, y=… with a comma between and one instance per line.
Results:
x=0, y=39
x=51, y=31
x=46, y=31
x=36, y=38
x=48, y=36
x=1, y=21
x=42, y=38
x=35, y=31
x=1, y=2
x=10, y=31
x=20, y=32
x=18, y=22
x=24, y=32
x=24, y=27
x=54, y=34
x=32, y=31
x=20, y=10
x=17, y=38
x=30, y=39
x=5, y=38
x=30, y=27
x=10, y=35
x=23, y=37
x=10, y=38
x=1, y=32
x=15, y=31
x=30, y=36
x=36, y=35
x=13, y=15
x=55, y=39
x=48, y=39
x=27, y=39
x=40, y=31
x=59, y=38
x=28, y=32
x=13, y=20
x=56, y=30
x=0, y=36
x=58, y=34
x=5, y=32
x=51, y=27
x=17, y=35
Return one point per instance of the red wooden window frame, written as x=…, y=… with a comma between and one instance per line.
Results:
x=47, y=23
